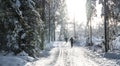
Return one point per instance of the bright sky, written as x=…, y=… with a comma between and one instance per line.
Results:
x=77, y=8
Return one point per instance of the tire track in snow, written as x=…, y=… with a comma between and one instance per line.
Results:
x=55, y=59
x=59, y=61
x=65, y=56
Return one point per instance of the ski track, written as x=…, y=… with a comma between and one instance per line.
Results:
x=67, y=56
x=71, y=57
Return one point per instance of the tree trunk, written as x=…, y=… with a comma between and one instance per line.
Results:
x=106, y=34
x=43, y=10
x=49, y=38
x=90, y=32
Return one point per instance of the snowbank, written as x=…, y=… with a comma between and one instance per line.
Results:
x=13, y=61
x=22, y=59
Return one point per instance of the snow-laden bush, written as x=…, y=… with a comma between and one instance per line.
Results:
x=97, y=44
x=116, y=43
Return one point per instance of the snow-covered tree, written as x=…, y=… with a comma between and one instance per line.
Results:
x=90, y=12
x=21, y=27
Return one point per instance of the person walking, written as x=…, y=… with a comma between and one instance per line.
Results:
x=71, y=41
x=66, y=39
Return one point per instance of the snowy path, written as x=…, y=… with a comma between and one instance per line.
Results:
x=73, y=57
x=63, y=55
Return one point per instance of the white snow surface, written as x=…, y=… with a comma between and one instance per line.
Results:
x=63, y=55
x=60, y=54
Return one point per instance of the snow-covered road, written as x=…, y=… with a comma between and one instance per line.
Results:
x=63, y=55
x=73, y=57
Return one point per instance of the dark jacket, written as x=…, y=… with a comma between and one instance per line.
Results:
x=71, y=40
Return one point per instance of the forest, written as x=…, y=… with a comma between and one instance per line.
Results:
x=59, y=32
